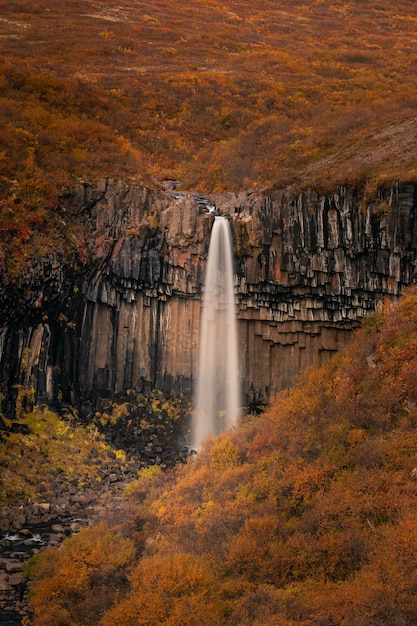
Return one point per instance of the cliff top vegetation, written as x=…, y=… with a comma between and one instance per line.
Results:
x=304, y=515
x=224, y=95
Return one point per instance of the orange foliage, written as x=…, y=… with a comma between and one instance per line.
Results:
x=77, y=583
x=217, y=95
x=189, y=81
x=303, y=515
x=303, y=493
x=176, y=590
x=48, y=142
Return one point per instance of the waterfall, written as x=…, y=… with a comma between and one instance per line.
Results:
x=217, y=401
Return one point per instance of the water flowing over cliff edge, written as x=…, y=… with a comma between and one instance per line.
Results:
x=309, y=267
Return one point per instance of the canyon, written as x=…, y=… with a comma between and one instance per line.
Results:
x=124, y=313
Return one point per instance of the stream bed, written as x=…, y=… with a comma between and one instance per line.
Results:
x=16, y=547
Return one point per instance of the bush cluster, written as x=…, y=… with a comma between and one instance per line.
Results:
x=304, y=515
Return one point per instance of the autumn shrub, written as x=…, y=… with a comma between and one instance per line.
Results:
x=384, y=591
x=176, y=590
x=302, y=515
x=308, y=490
x=51, y=137
x=76, y=584
x=257, y=94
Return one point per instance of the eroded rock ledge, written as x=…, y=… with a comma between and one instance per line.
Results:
x=309, y=267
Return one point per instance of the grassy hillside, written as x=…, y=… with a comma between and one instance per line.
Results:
x=224, y=95
x=304, y=515
x=220, y=95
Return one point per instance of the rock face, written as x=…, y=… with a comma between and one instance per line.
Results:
x=309, y=267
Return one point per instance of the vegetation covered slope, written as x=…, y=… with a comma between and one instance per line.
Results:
x=46, y=454
x=221, y=94
x=226, y=95
x=304, y=515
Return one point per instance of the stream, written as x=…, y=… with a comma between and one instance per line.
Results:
x=22, y=540
x=16, y=547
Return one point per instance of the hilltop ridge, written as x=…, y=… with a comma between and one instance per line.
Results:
x=228, y=96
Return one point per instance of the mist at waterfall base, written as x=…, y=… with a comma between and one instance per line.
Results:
x=217, y=400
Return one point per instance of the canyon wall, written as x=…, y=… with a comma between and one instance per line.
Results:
x=309, y=267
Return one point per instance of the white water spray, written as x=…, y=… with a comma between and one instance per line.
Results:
x=218, y=398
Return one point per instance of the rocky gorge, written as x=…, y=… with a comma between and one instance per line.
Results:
x=108, y=336
x=125, y=315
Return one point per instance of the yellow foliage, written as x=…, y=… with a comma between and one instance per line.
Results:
x=42, y=449
x=223, y=453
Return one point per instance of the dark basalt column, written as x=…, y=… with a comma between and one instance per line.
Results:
x=309, y=267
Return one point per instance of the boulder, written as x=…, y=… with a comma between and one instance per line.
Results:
x=5, y=588
x=42, y=507
x=11, y=566
x=15, y=579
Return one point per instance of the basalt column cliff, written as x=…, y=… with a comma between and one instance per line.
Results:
x=309, y=267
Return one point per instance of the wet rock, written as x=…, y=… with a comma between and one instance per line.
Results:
x=58, y=528
x=76, y=526
x=42, y=507
x=55, y=539
x=133, y=469
x=83, y=499
x=11, y=566
x=15, y=579
x=5, y=588
x=28, y=542
x=19, y=521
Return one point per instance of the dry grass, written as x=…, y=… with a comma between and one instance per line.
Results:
x=226, y=95
x=261, y=93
